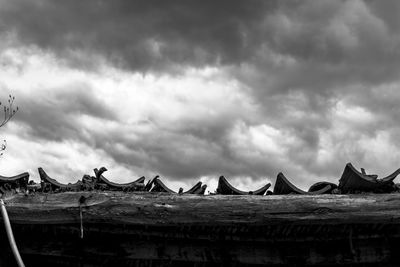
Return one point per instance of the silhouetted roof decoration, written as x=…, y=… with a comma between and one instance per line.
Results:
x=323, y=186
x=16, y=182
x=50, y=184
x=225, y=188
x=284, y=187
x=136, y=185
x=159, y=186
x=351, y=182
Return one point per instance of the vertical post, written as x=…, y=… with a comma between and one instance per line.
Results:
x=10, y=235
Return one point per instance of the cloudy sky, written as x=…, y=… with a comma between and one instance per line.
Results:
x=192, y=90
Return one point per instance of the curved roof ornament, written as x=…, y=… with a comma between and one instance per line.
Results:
x=284, y=187
x=225, y=188
x=353, y=181
x=51, y=184
x=137, y=185
x=13, y=183
x=156, y=185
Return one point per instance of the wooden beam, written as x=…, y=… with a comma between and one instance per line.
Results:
x=155, y=209
x=142, y=229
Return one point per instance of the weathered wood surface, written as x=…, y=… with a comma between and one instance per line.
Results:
x=145, y=208
x=145, y=229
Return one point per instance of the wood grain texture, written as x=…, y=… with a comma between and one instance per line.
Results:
x=148, y=208
x=147, y=229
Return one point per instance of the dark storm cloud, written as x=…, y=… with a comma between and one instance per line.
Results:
x=322, y=47
x=275, y=47
x=325, y=38
x=140, y=35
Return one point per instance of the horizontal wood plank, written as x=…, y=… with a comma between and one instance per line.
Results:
x=145, y=208
x=142, y=229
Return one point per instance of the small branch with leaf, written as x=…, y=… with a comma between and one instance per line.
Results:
x=9, y=110
x=3, y=147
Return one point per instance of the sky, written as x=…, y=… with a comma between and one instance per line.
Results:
x=191, y=90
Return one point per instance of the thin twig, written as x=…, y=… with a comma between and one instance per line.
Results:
x=9, y=110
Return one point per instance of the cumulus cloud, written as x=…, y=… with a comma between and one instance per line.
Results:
x=148, y=124
x=194, y=89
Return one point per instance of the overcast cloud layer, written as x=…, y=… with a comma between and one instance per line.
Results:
x=195, y=89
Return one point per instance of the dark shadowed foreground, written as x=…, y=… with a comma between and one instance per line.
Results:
x=146, y=229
